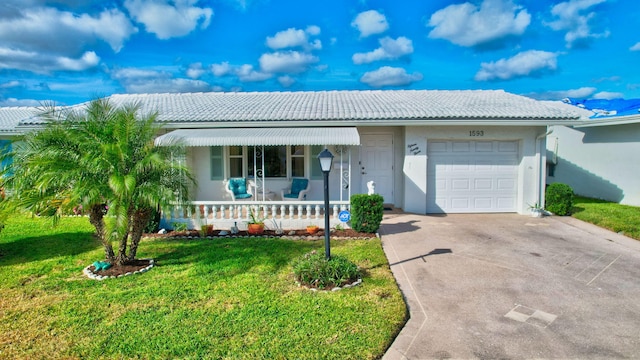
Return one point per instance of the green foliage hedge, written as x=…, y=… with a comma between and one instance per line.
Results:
x=366, y=212
x=314, y=270
x=559, y=199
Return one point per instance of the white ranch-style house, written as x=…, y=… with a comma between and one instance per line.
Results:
x=427, y=151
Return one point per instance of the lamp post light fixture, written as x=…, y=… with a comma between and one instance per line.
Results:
x=326, y=158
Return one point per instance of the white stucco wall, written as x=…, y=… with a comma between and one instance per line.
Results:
x=600, y=162
x=416, y=159
x=409, y=165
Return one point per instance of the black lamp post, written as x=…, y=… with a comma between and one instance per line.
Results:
x=326, y=158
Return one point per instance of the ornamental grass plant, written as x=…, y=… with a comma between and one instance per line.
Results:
x=315, y=271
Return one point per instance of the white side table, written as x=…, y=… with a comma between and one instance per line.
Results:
x=268, y=195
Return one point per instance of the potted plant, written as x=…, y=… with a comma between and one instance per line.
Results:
x=536, y=210
x=255, y=225
x=312, y=229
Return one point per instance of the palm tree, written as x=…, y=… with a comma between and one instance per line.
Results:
x=103, y=158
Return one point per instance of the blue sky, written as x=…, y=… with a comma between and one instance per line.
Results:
x=70, y=51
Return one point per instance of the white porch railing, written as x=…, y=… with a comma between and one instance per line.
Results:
x=286, y=214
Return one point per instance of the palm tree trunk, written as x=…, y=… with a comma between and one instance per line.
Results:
x=140, y=219
x=96, y=218
x=122, y=249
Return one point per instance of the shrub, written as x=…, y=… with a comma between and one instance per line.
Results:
x=314, y=270
x=559, y=199
x=179, y=226
x=154, y=222
x=366, y=212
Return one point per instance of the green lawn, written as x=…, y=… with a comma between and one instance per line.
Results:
x=612, y=216
x=230, y=299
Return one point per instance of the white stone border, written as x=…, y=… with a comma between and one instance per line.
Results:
x=337, y=288
x=93, y=276
x=284, y=237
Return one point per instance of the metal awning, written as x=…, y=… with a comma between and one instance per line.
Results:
x=262, y=136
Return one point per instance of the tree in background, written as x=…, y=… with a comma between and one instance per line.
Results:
x=102, y=158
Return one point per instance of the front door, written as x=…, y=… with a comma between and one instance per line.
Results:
x=376, y=163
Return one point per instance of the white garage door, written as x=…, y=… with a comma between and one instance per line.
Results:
x=472, y=176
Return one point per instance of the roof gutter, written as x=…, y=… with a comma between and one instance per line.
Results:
x=618, y=120
x=344, y=123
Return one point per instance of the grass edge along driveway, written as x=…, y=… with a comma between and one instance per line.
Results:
x=618, y=218
x=230, y=299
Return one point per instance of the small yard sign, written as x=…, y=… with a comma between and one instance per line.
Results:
x=344, y=216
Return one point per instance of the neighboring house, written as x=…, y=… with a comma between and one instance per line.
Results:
x=10, y=118
x=599, y=157
x=427, y=151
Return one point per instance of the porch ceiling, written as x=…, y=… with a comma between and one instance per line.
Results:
x=262, y=136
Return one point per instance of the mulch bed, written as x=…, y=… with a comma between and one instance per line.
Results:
x=128, y=267
x=346, y=233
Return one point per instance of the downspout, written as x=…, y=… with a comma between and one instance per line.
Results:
x=541, y=160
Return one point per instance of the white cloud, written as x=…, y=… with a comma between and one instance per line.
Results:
x=313, y=30
x=88, y=60
x=370, y=22
x=286, y=81
x=607, y=95
x=10, y=84
x=635, y=47
x=221, y=69
x=44, y=63
x=63, y=33
x=570, y=18
x=523, y=64
x=241, y=5
x=195, y=70
x=246, y=73
x=292, y=37
x=580, y=93
x=151, y=81
x=467, y=25
x=20, y=102
x=286, y=62
x=389, y=49
x=168, y=19
x=389, y=76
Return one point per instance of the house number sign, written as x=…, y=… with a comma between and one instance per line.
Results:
x=476, y=133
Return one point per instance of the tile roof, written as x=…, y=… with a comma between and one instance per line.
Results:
x=345, y=105
x=10, y=117
x=348, y=107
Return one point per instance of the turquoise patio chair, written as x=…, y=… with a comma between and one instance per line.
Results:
x=298, y=189
x=238, y=189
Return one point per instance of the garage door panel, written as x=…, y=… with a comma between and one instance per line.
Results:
x=461, y=167
x=460, y=203
x=483, y=184
x=460, y=184
x=437, y=147
x=508, y=147
x=484, y=146
x=483, y=203
x=484, y=165
x=506, y=184
x=461, y=146
x=506, y=203
x=472, y=176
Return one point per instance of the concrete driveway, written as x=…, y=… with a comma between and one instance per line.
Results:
x=498, y=286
